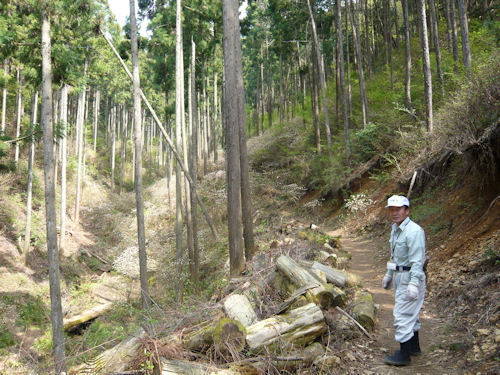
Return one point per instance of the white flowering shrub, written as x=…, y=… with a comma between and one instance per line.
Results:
x=358, y=203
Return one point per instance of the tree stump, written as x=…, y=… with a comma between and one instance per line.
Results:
x=364, y=309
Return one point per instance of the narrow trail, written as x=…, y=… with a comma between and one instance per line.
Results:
x=368, y=261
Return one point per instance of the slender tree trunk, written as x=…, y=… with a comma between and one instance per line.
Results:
x=404, y=4
x=50, y=204
x=80, y=118
x=281, y=109
x=362, y=89
x=4, y=95
x=64, y=142
x=262, y=97
x=193, y=121
x=437, y=49
x=113, y=146
x=348, y=58
x=321, y=79
x=31, y=159
x=396, y=22
x=141, y=233
x=448, y=23
x=216, y=120
x=179, y=113
x=19, y=101
x=231, y=108
x=204, y=150
x=97, y=102
x=454, y=33
x=342, y=83
x=367, y=41
x=464, y=30
x=122, y=148
x=315, y=100
x=426, y=64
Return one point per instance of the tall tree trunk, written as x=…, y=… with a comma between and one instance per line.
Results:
x=454, y=33
x=281, y=109
x=342, y=84
x=19, y=101
x=348, y=58
x=404, y=4
x=50, y=203
x=262, y=97
x=215, y=126
x=448, y=23
x=315, y=100
x=246, y=198
x=437, y=49
x=321, y=79
x=179, y=113
x=204, y=150
x=396, y=22
x=113, y=145
x=80, y=119
x=31, y=159
x=464, y=30
x=64, y=142
x=367, y=40
x=362, y=88
x=97, y=102
x=141, y=233
x=230, y=23
x=4, y=95
x=122, y=147
x=426, y=64
x=193, y=121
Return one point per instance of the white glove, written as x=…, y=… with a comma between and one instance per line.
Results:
x=386, y=282
x=412, y=291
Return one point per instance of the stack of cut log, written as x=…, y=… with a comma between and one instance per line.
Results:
x=286, y=339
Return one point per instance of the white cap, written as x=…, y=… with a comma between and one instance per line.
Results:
x=398, y=201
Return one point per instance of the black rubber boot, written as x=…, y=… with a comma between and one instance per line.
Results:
x=415, y=345
x=400, y=357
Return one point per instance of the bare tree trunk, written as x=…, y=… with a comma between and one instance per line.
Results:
x=448, y=22
x=454, y=33
x=426, y=64
x=50, y=203
x=362, y=88
x=193, y=122
x=122, y=147
x=262, y=97
x=19, y=101
x=348, y=58
x=367, y=40
x=321, y=79
x=464, y=30
x=97, y=102
x=204, y=122
x=4, y=95
x=64, y=142
x=216, y=120
x=31, y=159
x=281, y=111
x=141, y=233
x=342, y=83
x=80, y=118
x=315, y=100
x=404, y=4
x=437, y=49
x=113, y=145
x=231, y=107
x=179, y=113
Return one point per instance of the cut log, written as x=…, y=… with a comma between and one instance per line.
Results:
x=300, y=277
x=298, y=327
x=114, y=360
x=336, y=277
x=226, y=334
x=239, y=308
x=364, y=309
x=178, y=367
x=72, y=323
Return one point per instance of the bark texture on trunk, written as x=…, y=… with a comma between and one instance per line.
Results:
x=426, y=64
x=141, y=232
x=50, y=204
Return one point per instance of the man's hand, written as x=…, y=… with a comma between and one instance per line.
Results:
x=412, y=291
x=386, y=282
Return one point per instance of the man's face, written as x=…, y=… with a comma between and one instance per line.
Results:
x=398, y=214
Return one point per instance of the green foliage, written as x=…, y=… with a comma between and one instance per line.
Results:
x=492, y=256
x=33, y=313
x=6, y=338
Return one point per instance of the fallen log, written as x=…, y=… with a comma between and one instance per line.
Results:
x=364, y=309
x=114, y=360
x=336, y=277
x=298, y=327
x=239, y=308
x=179, y=367
x=72, y=323
x=321, y=294
x=226, y=334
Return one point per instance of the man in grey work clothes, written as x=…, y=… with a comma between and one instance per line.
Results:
x=405, y=270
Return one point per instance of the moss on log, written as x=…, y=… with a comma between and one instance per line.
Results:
x=239, y=308
x=364, y=309
x=226, y=334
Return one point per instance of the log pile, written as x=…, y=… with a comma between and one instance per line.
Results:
x=291, y=333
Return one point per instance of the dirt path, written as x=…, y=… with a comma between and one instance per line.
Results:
x=368, y=261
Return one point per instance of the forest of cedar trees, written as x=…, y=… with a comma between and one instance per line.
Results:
x=201, y=188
